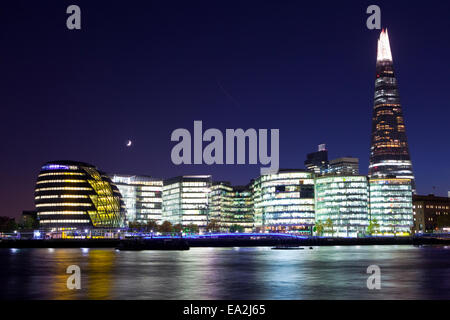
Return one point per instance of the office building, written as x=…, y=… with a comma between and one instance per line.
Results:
x=342, y=200
x=220, y=203
x=431, y=214
x=344, y=166
x=284, y=201
x=242, y=209
x=142, y=196
x=389, y=153
x=390, y=205
x=185, y=200
x=231, y=207
x=317, y=162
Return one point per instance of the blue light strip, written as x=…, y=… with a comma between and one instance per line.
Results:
x=229, y=235
x=55, y=167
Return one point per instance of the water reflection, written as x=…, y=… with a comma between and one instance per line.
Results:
x=227, y=273
x=99, y=271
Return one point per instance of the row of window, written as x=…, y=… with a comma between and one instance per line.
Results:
x=63, y=188
x=65, y=221
x=63, y=204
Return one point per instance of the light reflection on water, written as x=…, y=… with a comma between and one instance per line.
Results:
x=407, y=272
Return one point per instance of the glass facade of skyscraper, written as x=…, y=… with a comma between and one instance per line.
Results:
x=284, y=201
x=142, y=196
x=343, y=200
x=389, y=153
x=390, y=204
x=185, y=200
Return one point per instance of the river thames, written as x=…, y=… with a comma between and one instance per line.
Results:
x=337, y=272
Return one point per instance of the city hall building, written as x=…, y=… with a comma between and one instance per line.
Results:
x=75, y=195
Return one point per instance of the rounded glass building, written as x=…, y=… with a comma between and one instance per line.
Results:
x=75, y=195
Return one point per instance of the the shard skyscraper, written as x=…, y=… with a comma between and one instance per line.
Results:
x=389, y=152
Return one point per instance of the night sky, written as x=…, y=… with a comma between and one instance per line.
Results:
x=140, y=69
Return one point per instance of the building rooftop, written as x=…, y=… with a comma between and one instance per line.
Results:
x=430, y=197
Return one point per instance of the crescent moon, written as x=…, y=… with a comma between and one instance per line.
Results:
x=129, y=143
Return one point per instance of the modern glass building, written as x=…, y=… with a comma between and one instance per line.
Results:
x=343, y=199
x=389, y=153
x=242, y=208
x=284, y=201
x=220, y=203
x=344, y=166
x=185, y=200
x=317, y=162
x=231, y=206
x=142, y=196
x=390, y=204
x=75, y=195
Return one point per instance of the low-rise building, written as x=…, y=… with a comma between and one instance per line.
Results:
x=431, y=214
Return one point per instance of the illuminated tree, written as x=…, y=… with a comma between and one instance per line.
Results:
x=213, y=226
x=165, y=227
x=178, y=228
x=151, y=225
x=319, y=227
x=236, y=228
x=329, y=226
x=373, y=226
x=191, y=228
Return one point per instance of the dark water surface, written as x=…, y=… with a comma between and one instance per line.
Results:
x=338, y=272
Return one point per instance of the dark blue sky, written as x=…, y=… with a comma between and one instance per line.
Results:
x=140, y=69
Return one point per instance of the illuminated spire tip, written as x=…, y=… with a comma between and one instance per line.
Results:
x=384, y=49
